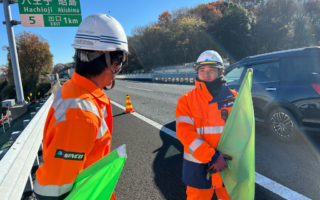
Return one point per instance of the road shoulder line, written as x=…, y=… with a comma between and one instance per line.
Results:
x=265, y=182
x=139, y=88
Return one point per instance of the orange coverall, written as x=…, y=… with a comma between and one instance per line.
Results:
x=199, y=127
x=76, y=134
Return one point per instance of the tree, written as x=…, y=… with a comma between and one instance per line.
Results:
x=165, y=19
x=208, y=13
x=189, y=38
x=35, y=59
x=56, y=68
x=237, y=27
x=274, y=29
x=235, y=30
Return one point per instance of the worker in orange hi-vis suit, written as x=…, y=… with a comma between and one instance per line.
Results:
x=200, y=118
x=78, y=128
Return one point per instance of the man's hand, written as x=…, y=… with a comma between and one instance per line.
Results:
x=219, y=165
x=211, y=169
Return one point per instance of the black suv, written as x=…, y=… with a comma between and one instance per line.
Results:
x=285, y=90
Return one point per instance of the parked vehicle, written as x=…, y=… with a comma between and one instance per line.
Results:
x=285, y=90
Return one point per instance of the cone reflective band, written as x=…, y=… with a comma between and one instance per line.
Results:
x=129, y=108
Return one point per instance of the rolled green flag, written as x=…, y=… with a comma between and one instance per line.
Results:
x=99, y=180
x=237, y=140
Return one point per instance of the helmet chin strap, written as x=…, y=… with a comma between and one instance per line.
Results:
x=112, y=85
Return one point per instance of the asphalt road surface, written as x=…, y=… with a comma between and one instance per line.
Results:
x=154, y=164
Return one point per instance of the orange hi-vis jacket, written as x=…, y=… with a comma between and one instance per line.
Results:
x=199, y=127
x=76, y=134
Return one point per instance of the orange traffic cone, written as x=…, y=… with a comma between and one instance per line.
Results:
x=129, y=108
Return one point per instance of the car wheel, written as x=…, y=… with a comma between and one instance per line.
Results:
x=283, y=125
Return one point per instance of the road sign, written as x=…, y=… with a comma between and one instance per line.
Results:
x=49, y=13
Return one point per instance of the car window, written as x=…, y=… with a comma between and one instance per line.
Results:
x=305, y=69
x=234, y=76
x=265, y=72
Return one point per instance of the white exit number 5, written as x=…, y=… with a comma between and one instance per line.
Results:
x=35, y=20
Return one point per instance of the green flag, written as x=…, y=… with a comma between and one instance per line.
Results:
x=237, y=141
x=99, y=180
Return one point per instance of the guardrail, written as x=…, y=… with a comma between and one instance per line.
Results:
x=170, y=77
x=134, y=76
x=174, y=79
x=16, y=164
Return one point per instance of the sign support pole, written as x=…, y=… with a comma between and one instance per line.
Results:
x=13, y=52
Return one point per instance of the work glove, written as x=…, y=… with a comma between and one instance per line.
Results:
x=218, y=165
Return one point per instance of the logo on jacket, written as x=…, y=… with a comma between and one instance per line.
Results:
x=230, y=96
x=68, y=155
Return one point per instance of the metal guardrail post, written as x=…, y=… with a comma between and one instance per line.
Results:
x=29, y=185
x=25, y=123
x=36, y=162
x=41, y=104
x=32, y=114
x=37, y=109
x=15, y=135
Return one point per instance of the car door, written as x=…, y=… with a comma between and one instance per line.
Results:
x=265, y=85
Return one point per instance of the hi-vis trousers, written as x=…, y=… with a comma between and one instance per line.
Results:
x=113, y=196
x=206, y=194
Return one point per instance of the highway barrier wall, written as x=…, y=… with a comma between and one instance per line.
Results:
x=17, y=162
x=135, y=76
x=162, y=77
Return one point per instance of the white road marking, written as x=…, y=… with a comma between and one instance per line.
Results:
x=139, y=89
x=265, y=182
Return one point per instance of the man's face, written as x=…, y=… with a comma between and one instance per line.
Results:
x=208, y=73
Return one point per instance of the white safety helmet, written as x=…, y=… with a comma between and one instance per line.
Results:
x=100, y=32
x=209, y=57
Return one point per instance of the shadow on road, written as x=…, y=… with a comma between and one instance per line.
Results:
x=167, y=167
x=119, y=114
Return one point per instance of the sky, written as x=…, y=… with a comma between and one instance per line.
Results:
x=130, y=13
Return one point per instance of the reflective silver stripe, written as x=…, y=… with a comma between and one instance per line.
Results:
x=102, y=130
x=185, y=119
x=57, y=100
x=52, y=190
x=195, y=144
x=60, y=112
x=61, y=106
x=104, y=112
x=210, y=130
x=190, y=158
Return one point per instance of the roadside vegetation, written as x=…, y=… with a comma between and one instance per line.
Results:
x=234, y=28
x=35, y=61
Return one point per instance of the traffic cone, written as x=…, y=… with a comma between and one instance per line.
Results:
x=129, y=108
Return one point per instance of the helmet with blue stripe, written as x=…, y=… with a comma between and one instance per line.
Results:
x=209, y=57
x=100, y=32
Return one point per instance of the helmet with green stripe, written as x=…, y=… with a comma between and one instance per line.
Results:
x=209, y=57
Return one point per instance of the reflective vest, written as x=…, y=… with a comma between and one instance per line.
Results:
x=76, y=134
x=199, y=127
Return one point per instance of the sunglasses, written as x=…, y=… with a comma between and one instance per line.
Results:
x=116, y=66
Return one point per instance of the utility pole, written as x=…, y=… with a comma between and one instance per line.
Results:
x=13, y=50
